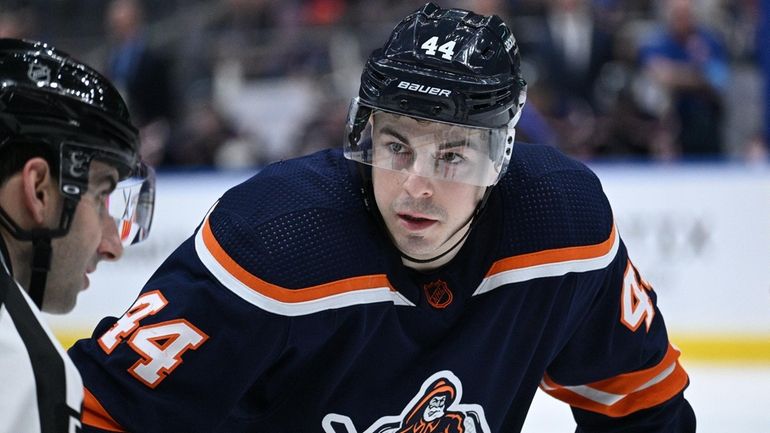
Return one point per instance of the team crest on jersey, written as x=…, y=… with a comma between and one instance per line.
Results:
x=438, y=294
x=437, y=407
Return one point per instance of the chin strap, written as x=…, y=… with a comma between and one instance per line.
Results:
x=41, y=264
x=433, y=259
x=41, y=245
x=473, y=220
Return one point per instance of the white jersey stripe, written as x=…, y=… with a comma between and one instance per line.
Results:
x=548, y=270
x=606, y=398
x=340, y=300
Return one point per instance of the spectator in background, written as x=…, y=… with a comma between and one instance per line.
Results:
x=322, y=130
x=142, y=76
x=573, y=50
x=631, y=123
x=247, y=28
x=689, y=63
x=200, y=134
x=207, y=137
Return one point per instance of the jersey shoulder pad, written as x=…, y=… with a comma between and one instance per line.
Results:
x=551, y=201
x=298, y=223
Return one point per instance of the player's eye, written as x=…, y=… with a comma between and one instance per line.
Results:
x=103, y=201
x=397, y=148
x=451, y=158
x=401, y=155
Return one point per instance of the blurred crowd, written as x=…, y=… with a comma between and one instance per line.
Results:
x=236, y=83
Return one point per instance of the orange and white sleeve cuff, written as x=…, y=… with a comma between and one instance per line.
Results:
x=626, y=393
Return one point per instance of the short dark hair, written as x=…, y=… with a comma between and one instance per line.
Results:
x=13, y=156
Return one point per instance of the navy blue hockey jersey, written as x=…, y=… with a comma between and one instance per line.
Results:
x=289, y=310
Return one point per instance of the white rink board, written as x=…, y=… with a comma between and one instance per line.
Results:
x=699, y=233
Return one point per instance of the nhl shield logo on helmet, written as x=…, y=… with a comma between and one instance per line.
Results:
x=40, y=74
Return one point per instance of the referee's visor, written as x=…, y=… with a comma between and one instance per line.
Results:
x=132, y=204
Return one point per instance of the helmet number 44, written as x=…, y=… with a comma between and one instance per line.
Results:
x=431, y=47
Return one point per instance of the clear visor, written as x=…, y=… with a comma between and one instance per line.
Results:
x=427, y=148
x=132, y=205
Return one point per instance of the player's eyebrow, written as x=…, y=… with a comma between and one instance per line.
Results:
x=106, y=177
x=389, y=130
x=459, y=143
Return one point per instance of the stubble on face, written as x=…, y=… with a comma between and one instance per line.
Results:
x=426, y=208
x=76, y=254
x=449, y=206
x=73, y=256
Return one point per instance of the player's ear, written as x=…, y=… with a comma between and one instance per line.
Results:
x=38, y=190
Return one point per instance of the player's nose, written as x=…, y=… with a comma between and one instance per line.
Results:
x=417, y=186
x=110, y=248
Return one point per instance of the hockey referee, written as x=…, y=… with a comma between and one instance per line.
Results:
x=72, y=193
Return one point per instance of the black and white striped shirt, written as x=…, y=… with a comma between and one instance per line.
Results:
x=41, y=390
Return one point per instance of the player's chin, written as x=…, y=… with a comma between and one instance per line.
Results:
x=60, y=305
x=418, y=247
x=70, y=302
x=65, y=299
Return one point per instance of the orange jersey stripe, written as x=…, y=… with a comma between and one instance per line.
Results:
x=629, y=382
x=280, y=293
x=554, y=256
x=95, y=415
x=625, y=393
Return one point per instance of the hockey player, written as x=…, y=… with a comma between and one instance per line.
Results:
x=431, y=273
x=66, y=142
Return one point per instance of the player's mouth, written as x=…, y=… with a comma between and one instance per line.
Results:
x=415, y=222
x=86, y=280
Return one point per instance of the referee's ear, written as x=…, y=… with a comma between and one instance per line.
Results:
x=39, y=194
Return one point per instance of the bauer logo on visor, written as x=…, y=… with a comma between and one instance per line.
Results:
x=132, y=205
x=443, y=151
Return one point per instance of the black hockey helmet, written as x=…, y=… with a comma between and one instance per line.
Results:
x=49, y=98
x=444, y=65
